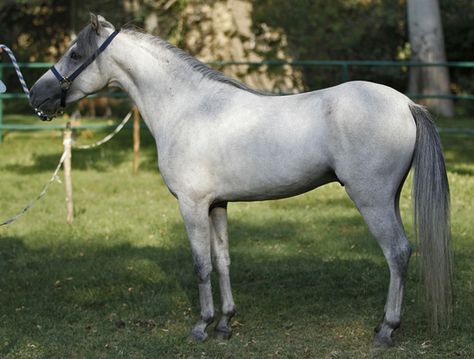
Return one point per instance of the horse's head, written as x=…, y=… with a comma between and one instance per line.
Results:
x=78, y=73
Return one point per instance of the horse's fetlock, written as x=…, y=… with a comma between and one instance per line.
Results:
x=229, y=311
x=207, y=317
x=392, y=324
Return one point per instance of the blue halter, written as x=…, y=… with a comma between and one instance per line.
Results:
x=65, y=82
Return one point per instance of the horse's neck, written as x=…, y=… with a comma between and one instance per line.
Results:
x=162, y=87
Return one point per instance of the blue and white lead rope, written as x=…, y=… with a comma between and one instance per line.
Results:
x=54, y=177
x=17, y=69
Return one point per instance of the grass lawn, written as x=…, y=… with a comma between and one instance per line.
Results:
x=308, y=279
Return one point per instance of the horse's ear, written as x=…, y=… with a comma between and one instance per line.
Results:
x=95, y=23
x=98, y=22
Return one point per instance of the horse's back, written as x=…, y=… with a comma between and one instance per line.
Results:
x=265, y=147
x=357, y=132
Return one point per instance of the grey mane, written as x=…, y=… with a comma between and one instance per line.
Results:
x=87, y=44
x=192, y=62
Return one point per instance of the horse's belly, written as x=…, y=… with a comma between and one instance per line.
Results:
x=271, y=178
x=273, y=191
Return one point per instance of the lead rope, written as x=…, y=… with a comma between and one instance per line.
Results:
x=54, y=177
x=108, y=137
x=17, y=69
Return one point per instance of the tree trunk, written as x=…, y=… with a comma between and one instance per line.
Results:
x=222, y=30
x=427, y=45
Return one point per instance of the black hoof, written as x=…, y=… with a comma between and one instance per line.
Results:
x=222, y=333
x=382, y=342
x=198, y=336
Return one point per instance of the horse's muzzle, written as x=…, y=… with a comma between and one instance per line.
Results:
x=46, y=108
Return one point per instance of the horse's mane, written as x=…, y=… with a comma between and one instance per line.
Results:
x=191, y=61
x=86, y=42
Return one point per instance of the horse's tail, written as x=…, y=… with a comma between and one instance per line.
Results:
x=430, y=194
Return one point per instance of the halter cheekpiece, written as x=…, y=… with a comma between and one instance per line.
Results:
x=65, y=82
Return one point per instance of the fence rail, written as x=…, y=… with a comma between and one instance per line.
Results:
x=343, y=65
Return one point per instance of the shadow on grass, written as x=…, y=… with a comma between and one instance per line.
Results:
x=110, y=270
x=73, y=293
x=81, y=284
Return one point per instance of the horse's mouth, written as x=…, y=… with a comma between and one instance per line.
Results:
x=46, y=115
x=43, y=116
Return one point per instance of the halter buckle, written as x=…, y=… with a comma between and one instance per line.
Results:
x=65, y=84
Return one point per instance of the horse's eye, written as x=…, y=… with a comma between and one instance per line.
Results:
x=75, y=56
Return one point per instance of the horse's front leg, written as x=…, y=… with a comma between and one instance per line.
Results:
x=221, y=260
x=198, y=226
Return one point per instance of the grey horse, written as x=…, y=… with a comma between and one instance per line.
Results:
x=219, y=141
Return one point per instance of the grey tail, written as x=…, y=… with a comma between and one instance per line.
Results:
x=430, y=194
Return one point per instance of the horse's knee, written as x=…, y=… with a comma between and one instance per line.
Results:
x=203, y=271
x=222, y=264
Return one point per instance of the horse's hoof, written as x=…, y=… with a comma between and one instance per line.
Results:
x=222, y=333
x=382, y=342
x=383, y=337
x=198, y=336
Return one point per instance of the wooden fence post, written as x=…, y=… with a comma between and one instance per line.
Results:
x=67, y=173
x=136, y=138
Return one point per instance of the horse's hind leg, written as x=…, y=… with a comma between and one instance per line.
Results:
x=381, y=213
x=221, y=259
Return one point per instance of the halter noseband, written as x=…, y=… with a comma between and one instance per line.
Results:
x=65, y=82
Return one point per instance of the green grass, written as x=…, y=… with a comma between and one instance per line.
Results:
x=308, y=279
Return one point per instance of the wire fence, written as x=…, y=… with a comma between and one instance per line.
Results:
x=344, y=67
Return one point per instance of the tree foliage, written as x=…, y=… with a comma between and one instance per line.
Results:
x=458, y=20
x=338, y=30
x=38, y=30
